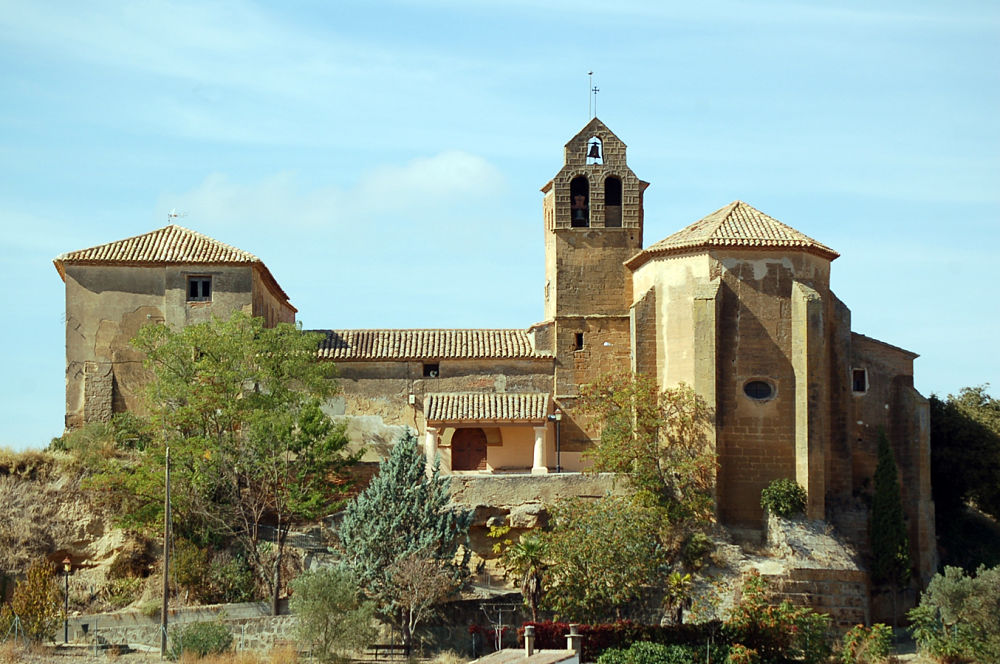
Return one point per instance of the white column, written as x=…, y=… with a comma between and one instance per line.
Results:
x=431, y=446
x=539, y=466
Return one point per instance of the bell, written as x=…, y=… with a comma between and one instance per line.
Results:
x=595, y=151
x=578, y=215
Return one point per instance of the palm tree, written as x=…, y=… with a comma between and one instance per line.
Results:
x=525, y=561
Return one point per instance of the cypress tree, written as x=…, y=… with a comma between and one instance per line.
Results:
x=890, y=544
x=403, y=511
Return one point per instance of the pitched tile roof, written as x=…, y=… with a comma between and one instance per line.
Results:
x=373, y=345
x=486, y=407
x=736, y=225
x=170, y=244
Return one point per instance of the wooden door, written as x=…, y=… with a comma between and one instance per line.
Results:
x=468, y=450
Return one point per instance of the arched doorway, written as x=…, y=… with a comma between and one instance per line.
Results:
x=468, y=449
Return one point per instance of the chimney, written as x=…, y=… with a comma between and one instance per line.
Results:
x=529, y=640
x=574, y=640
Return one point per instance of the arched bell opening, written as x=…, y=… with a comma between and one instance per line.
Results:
x=579, y=200
x=612, y=202
x=595, y=150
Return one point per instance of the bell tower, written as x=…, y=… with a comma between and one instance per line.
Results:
x=593, y=224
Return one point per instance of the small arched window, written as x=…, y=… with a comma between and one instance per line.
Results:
x=612, y=202
x=579, y=202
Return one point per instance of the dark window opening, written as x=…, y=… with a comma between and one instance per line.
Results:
x=859, y=380
x=758, y=390
x=579, y=341
x=432, y=370
x=613, y=202
x=199, y=289
x=579, y=197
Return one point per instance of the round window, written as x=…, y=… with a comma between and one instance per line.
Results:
x=758, y=390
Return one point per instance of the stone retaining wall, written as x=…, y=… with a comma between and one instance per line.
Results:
x=841, y=593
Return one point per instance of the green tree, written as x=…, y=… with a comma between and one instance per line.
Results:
x=525, y=560
x=37, y=602
x=890, y=544
x=251, y=451
x=404, y=511
x=603, y=555
x=658, y=440
x=332, y=616
x=958, y=616
x=965, y=452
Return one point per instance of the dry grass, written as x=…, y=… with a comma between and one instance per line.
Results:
x=448, y=657
x=28, y=464
x=279, y=655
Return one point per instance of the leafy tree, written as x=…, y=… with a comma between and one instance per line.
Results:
x=958, y=615
x=37, y=602
x=251, y=451
x=403, y=511
x=890, y=544
x=658, y=439
x=332, y=616
x=965, y=452
x=602, y=555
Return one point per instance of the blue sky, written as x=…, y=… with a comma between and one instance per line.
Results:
x=384, y=158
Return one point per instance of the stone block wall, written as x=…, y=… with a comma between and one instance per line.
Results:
x=843, y=594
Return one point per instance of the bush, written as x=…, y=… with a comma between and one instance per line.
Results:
x=866, y=645
x=200, y=639
x=331, y=616
x=695, y=549
x=213, y=577
x=119, y=593
x=777, y=632
x=958, y=615
x=622, y=634
x=783, y=497
x=37, y=602
x=645, y=652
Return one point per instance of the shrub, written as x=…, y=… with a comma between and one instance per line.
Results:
x=958, y=614
x=331, y=616
x=783, y=497
x=200, y=639
x=740, y=654
x=119, y=593
x=695, y=550
x=777, y=632
x=645, y=652
x=37, y=602
x=622, y=634
x=866, y=645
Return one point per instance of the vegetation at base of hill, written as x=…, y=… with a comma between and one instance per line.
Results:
x=658, y=440
x=199, y=639
x=958, y=616
x=403, y=526
x=251, y=452
x=333, y=619
x=783, y=497
x=866, y=645
x=35, y=608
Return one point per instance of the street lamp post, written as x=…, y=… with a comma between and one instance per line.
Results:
x=557, y=418
x=67, y=564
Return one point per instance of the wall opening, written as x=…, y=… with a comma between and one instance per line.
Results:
x=595, y=150
x=859, y=381
x=759, y=390
x=579, y=198
x=578, y=341
x=432, y=370
x=612, y=202
x=199, y=289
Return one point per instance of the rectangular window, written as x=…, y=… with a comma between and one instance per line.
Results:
x=432, y=370
x=859, y=381
x=579, y=341
x=199, y=289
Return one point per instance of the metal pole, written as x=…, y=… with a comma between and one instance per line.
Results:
x=66, y=610
x=558, y=445
x=166, y=560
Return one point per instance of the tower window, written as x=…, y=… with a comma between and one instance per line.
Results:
x=759, y=390
x=578, y=341
x=595, y=150
x=612, y=202
x=432, y=370
x=859, y=381
x=579, y=198
x=199, y=289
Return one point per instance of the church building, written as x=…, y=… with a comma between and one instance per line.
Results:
x=737, y=305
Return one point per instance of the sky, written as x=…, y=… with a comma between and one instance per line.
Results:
x=384, y=159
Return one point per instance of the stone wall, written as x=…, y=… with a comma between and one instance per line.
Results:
x=843, y=594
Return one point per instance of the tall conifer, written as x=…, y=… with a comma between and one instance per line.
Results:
x=890, y=544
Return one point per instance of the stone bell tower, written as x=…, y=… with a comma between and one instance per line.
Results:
x=593, y=224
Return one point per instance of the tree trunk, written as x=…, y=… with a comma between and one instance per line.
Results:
x=280, y=542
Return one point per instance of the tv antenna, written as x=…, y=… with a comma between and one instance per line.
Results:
x=174, y=214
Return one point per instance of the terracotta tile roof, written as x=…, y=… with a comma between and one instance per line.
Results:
x=170, y=244
x=373, y=345
x=737, y=225
x=486, y=407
